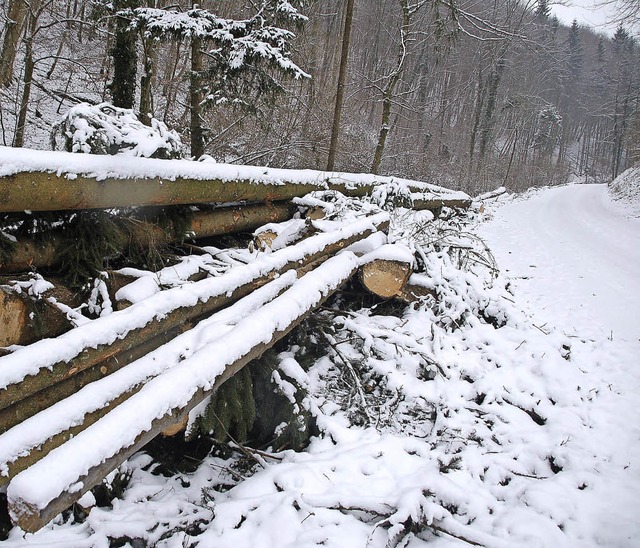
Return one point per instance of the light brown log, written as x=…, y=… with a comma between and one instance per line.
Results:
x=41, y=191
x=30, y=518
x=179, y=426
x=427, y=202
x=30, y=254
x=385, y=278
x=123, y=350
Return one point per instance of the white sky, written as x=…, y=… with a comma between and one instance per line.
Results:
x=587, y=12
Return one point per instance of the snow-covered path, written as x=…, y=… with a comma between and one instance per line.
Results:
x=574, y=259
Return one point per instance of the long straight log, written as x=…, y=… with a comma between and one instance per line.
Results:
x=42, y=491
x=48, y=181
x=45, y=363
x=29, y=254
x=31, y=440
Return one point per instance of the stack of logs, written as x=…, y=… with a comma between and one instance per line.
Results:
x=59, y=393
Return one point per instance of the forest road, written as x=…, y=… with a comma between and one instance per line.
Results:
x=572, y=256
x=576, y=257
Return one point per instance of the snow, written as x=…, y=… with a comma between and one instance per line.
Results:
x=573, y=255
x=503, y=413
x=625, y=190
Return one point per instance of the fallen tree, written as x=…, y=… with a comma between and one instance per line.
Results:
x=42, y=491
x=54, y=181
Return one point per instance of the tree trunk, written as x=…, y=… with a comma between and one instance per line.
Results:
x=150, y=52
x=389, y=90
x=16, y=14
x=342, y=76
x=18, y=139
x=125, y=58
x=196, y=95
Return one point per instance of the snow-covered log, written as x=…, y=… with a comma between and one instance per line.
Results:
x=29, y=254
x=110, y=342
x=24, y=319
x=46, y=181
x=38, y=494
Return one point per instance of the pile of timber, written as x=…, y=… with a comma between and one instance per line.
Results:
x=75, y=406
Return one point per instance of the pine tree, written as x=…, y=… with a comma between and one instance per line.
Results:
x=543, y=10
x=576, y=54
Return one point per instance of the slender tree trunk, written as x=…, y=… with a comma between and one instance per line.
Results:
x=342, y=76
x=150, y=63
x=389, y=90
x=16, y=14
x=196, y=98
x=18, y=139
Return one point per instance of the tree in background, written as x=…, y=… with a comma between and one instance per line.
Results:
x=234, y=62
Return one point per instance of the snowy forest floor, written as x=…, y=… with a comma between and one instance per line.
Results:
x=502, y=414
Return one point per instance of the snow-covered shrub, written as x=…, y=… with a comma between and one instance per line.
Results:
x=105, y=129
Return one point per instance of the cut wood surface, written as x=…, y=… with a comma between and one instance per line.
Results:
x=385, y=270
x=42, y=491
x=27, y=371
x=385, y=278
x=24, y=319
x=29, y=254
x=47, y=181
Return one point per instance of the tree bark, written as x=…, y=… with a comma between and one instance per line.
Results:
x=125, y=58
x=196, y=98
x=150, y=53
x=16, y=14
x=18, y=139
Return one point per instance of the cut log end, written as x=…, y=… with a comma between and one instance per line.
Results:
x=385, y=278
x=179, y=426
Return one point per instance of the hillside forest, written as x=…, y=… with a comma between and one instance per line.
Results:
x=469, y=94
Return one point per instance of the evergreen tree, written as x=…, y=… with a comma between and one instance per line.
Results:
x=576, y=54
x=243, y=56
x=543, y=10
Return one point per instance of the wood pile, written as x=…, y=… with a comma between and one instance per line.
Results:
x=66, y=397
